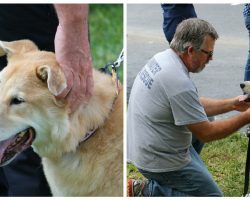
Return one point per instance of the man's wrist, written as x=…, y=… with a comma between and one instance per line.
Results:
x=72, y=14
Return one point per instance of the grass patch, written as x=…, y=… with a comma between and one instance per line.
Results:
x=225, y=160
x=106, y=33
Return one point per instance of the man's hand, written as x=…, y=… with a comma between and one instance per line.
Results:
x=73, y=54
x=240, y=104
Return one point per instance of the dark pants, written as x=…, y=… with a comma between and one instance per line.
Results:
x=247, y=67
x=24, y=176
x=173, y=14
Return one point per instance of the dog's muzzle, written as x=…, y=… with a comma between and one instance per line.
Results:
x=11, y=147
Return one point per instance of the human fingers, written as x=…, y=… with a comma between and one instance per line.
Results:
x=244, y=98
x=69, y=75
x=76, y=96
x=89, y=86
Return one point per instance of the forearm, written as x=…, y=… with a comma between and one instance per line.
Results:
x=209, y=131
x=223, y=128
x=73, y=20
x=73, y=53
x=72, y=13
x=217, y=106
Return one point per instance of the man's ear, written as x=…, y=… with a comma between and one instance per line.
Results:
x=16, y=47
x=54, y=77
x=190, y=50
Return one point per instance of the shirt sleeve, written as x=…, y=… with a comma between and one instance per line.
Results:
x=186, y=108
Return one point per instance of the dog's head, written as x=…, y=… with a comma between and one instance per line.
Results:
x=245, y=86
x=29, y=111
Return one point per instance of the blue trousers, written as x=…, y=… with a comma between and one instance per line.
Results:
x=192, y=180
x=173, y=14
x=247, y=67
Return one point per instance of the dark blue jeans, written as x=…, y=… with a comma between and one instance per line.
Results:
x=192, y=180
x=173, y=14
x=247, y=67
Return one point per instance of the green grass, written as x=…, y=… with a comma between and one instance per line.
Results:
x=225, y=160
x=106, y=33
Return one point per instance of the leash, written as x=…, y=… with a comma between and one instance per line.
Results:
x=88, y=135
x=247, y=168
x=115, y=78
x=114, y=66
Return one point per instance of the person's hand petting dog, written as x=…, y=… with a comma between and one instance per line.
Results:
x=73, y=54
x=241, y=103
x=245, y=88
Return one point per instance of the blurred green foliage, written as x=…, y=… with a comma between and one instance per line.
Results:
x=106, y=33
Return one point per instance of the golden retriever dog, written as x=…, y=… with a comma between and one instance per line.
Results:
x=31, y=115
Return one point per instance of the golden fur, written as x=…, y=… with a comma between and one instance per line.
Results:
x=72, y=168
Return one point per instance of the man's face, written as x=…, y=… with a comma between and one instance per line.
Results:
x=204, y=55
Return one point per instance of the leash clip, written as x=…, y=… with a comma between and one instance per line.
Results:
x=119, y=60
x=114, y=66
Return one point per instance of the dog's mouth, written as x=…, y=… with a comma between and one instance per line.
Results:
x=245, y=97
x=11, y=147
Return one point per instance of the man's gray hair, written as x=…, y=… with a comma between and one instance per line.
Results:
x=191, y=32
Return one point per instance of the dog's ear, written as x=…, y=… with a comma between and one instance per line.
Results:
x=18, y=46
x=54, y=77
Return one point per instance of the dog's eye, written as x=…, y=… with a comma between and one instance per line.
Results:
x=16, y=101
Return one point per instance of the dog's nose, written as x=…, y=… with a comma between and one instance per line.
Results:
x=242, y=85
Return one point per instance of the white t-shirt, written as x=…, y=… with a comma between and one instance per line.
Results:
x=163, y=100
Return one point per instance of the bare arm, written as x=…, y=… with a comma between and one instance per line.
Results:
x=219, y=106
x=72, y=13
x=73, y=53
x=209, y=131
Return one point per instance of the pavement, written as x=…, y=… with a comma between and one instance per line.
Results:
x=222, y=76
